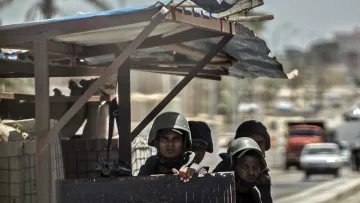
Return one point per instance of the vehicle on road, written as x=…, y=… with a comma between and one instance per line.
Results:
x=321, y=158
x=352, y=115
x=301, y=133
x=345, y=152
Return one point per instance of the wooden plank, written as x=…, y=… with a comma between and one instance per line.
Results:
x=42, y=123
x=203, y=22
x=124, y=115
x=188, y=35
x=194, y=52
x=180, y=86
x=217, y=187
x=53, y=99
x=241, y=18
x=119, y=61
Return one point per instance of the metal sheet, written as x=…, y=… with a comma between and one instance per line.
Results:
x=219, y=187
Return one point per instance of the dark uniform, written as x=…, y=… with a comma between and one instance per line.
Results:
x=263, y=184
x=237, y=149
x=201, y=133
x=246, y=129
x=158, y=164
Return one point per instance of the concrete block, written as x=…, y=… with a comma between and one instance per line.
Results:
x=4, y=176
x=26, y=175
x=4, y=189
x=33, y=187
x=15, y=162
x=26, y=161
x=5, y=200
x=92, y=156
x=15, y=200
x=27, y=199
x=27, y=188
x=15, y=176
x=32, y=161
x=4, y=162
x=33, y=198
x=8, y=149
x=30, y=147
x=32, y=174
x=15, y=190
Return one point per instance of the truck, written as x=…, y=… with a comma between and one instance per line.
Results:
x=301, y=133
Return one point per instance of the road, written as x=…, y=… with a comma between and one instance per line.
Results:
x=348, y=131
x=292, y=182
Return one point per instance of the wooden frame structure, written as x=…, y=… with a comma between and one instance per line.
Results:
x=76, y=37
x=42, y=39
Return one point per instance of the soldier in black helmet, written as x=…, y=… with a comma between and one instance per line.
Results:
x=201, y=141
x=171, y=136
x=247, y=161
x=258, y=132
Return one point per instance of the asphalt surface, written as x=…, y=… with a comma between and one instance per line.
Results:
x=292, y=182
x=348, y=131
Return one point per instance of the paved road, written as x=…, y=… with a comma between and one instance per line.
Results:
x=348, y=131
x=293, y=182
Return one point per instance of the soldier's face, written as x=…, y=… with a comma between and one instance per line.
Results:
x=170, y=145
x=248, y=168
x=260, y=140
x=199, y=149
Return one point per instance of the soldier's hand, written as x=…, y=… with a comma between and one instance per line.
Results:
x=185, y=173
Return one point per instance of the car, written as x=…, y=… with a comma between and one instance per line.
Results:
x=321, y=158
x=352, y=115
x=345, y=152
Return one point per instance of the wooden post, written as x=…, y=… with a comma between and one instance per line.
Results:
x=42, y=119
x=124, y=100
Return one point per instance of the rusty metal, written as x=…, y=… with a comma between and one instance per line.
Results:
x=219, y=187
x=180, y=86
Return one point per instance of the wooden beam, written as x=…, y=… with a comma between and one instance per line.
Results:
x=42, y=123
x=241, y=18
x=207, y=77
x=202, y=22
x=185, y=36
x=180, y=86
x=53, y=99
x=20, y=69
x=73, y=50
x=194, y=52
x=111, y=70
x=124, y=115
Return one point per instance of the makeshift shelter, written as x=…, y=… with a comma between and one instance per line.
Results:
x=111, y=43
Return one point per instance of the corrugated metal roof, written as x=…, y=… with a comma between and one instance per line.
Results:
x=249, y=51
x=86, y=15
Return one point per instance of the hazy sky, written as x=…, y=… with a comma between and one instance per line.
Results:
x=296, y=23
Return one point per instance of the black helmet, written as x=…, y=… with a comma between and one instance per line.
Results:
x=170, y=120
x=247, y=128
x=242, y=145
x=201, y=131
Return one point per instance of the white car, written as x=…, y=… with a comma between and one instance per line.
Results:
x=321, y=158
